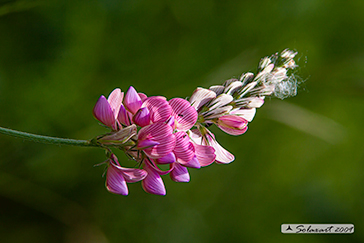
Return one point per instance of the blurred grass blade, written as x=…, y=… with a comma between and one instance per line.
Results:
x=307, y=121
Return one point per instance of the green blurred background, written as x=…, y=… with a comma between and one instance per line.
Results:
x=301, y=160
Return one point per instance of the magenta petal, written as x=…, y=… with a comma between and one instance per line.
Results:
x=115, y=181
x=142, y=96
x=184, y=113
x=184, y=149
x=159, y=108
x=233, y=131
x=133, y=175
x=143, y=144
x=169, y=158
x=142, y=117
x=124, y=116
x=193, y=163
x=179, y=173
x=205, y=154
x=115, y=100
x=132, y=101
x=103, y=112
x=159, y=132
x=153, y=182
x=232, y=124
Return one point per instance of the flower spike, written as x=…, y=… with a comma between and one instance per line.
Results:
x=154, y=131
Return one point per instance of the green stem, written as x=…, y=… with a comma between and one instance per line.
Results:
x=47, y=139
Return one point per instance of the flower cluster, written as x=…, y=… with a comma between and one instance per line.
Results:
x=154, y=131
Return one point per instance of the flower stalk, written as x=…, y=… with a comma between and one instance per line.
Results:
x=49, y=140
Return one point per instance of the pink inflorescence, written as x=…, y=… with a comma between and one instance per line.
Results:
x=154, y=131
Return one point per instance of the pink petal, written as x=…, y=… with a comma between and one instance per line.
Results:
x=169, y=158
x=233, y=131
x=153, y=183
x=115, y=100
x=133, y=175
x=222, y=155
x=184, y=113
x=205, y=154
x=184, y=149
x=193, y=163
x=103, y=112
x=201, y=96
x=142, y=117
x=142, y=96
x=130, y=174
x=232, y=124
x=124, y=116
x=159, y=108
x=115, y=181
x=159, y=132
x=132, y=101
x=144, y=144
x=179, y=173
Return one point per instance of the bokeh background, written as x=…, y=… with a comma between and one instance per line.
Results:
x=301, y=161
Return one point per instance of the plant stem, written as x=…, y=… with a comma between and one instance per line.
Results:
x=47, y=139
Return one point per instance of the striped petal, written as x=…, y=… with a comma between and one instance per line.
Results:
x=179, y=173
x=161, y=133
x=200, y=97
x=103, y=112
x=184, y=113
x=159, y=108
x=115, y=181
x=115, y=100
x=247, y=114
x=153, y=182
x=222, y=155
x=220, y=101
x=218, y=89
x=184, y=149
x=233, y=87
x=142, y=117
x=132, y=100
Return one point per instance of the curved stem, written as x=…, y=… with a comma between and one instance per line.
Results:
x=47, y=139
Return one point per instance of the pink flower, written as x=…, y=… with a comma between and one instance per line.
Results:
x=156, y=140
x=184, y=114
x=117, y=176
x=208, y=139
x=159, y=108
x=232, y=124
x=185, y=151
x=107, y=110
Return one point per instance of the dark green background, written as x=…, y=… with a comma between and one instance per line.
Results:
x=301, y=160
